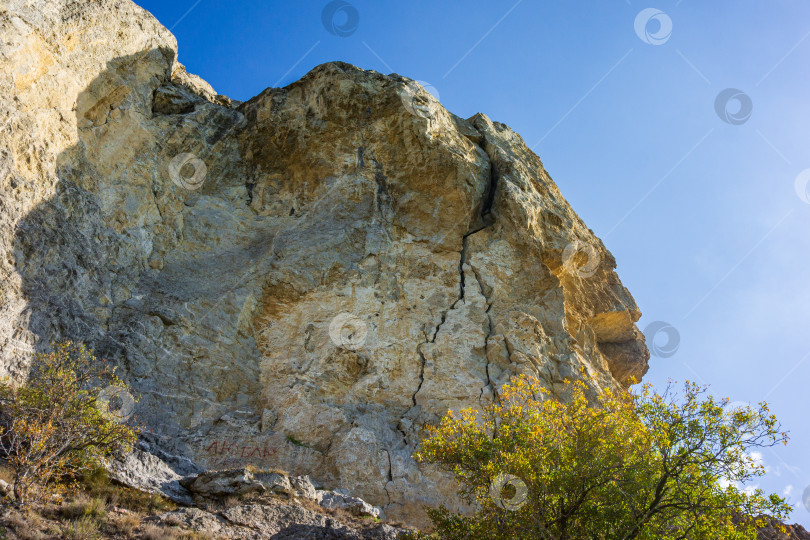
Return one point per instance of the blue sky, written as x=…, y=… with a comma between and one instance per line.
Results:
x=707, y=218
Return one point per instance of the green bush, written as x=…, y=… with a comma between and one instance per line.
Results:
x=607, y=466
x=85, y=528
x=63, y=421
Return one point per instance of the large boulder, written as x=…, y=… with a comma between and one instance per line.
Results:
x=214, y=484
x=145, y=471
x=335, y=500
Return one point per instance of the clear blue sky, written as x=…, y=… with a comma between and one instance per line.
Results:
x=702, y=215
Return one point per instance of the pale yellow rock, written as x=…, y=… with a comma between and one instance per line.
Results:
x=301, y=281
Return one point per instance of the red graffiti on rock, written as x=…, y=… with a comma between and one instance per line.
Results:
x=232, y=452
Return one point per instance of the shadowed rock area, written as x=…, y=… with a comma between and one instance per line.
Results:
x=301, y=281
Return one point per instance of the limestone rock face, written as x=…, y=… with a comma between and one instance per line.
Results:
x=301, y=281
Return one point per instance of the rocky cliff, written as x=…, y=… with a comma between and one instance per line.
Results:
x=299, y=281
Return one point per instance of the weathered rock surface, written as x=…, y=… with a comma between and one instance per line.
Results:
x=342, y=501
x=272, y=519
x=261, y=494
x=147, y=472
x=242, y=481
x=301, y=281
x=292, y=522
x=223, y=483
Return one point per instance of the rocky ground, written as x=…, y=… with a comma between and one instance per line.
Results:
x=229, y=504
x=239, y=503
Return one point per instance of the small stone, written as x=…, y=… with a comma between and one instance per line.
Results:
x=304, y=488
x=276, y=483
x=354, y=505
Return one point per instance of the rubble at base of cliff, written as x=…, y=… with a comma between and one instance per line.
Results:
x=242, y=503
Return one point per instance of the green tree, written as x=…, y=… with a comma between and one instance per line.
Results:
x=63, y=421
x=605, y=465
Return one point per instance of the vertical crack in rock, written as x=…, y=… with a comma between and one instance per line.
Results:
x=489, y=201
x=421, y=372
x=382, y=200
x=402, y=431
x=433, y=340
x=390, y=477
x=489, y=333
x=486, y=220
x=390, y=467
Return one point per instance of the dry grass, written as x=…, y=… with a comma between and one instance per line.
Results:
x=126, y=524
x=85, y=528
x=103, y=510
x=231, y=501
x=83, y=505
x=338, y=513
x=173, y=520
x=26, y=525
x=100, y=509
x=6, y=473
x=256, y=470
x=154, y=532
x=98, y=484
x=193, y=535
x=218, y=505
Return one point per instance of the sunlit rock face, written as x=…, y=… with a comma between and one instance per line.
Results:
x=300, y=281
